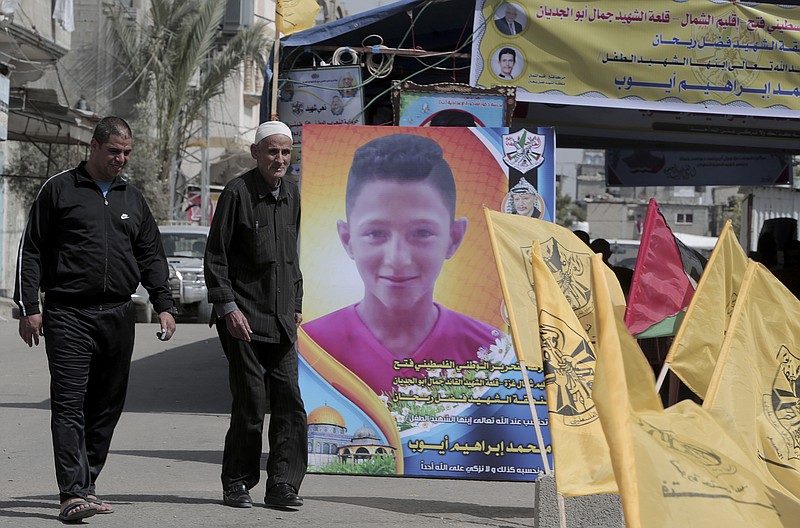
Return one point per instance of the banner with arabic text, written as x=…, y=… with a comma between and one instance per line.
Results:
x=643, y=167
x=689, y=55
x=319, y=96
x=406, y=365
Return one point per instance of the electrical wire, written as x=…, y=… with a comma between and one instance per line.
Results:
x=20, y=52
x=377, y=68
x=336, y=59
x=372, y=77
x=24, y=61
x=134, y=81
x=413, y=75
x=382, y=68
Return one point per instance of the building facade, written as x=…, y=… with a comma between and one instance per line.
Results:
x=34, y=107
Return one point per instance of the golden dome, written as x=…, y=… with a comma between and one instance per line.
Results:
x=325, y=415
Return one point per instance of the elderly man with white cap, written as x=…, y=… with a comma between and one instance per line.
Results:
x=255, y=284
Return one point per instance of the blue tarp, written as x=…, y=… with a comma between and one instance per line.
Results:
x=359, y=21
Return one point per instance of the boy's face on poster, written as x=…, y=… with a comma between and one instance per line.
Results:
x=399, y=235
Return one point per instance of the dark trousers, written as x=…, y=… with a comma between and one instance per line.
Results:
x=89, y=354
x=257, y=371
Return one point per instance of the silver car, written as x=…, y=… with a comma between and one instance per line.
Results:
x=185, y=247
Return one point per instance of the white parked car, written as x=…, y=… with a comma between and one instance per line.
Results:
x=185, y=247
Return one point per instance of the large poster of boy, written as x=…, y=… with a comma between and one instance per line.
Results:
x=406, y=366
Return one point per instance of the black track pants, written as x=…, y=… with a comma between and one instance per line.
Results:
x=89, y=354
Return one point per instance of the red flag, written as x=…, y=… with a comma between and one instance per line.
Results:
x=664, y=279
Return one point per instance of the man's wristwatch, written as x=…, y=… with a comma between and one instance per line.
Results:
x=172, y=311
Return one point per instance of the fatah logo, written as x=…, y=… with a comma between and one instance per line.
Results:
x=523, y=151
x=124, y=216
x=784, y=406
x=571, y=272
x=569, y=364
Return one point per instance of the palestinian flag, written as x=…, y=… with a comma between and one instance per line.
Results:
x=664, y=279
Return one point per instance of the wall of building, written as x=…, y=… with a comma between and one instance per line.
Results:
x=612, y=220
x=30, y=44
x=687, y=218
x=567, y=161
x=619, y=212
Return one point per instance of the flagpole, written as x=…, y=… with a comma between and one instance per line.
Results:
x=662, y=375
x=562, y=510
x=535, y=416
x=276, y=49
x=540, y=438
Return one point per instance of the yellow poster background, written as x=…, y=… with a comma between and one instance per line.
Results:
x=468, y=282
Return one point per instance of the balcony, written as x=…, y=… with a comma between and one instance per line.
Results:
x=36, y=115
x=30, y=42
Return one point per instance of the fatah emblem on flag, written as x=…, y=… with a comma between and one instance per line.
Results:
x=569, y=366
x=523, y=150
x=784, y=402
x=571, y=273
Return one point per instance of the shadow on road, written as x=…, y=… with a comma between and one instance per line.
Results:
x=430, y=507
x=9, y=508
x=189, y=379
x=203, y=457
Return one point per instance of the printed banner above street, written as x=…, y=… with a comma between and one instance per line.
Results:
x=692, y=56
x=642, y=167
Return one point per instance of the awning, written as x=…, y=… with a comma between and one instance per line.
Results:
x=35, y=115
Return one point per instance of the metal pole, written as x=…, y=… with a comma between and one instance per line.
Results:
x=204, y=173
x=276, y=49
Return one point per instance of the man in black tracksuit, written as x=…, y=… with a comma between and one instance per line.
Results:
x=90, y=239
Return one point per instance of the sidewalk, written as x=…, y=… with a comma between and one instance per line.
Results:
x=163, y=469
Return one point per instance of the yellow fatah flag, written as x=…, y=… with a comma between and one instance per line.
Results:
x=580, y=453
x=292, y=16
x=694, y=351
x=567, y=258
x=755, y=389
x=674, y=467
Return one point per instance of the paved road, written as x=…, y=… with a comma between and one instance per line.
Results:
x=163, y=469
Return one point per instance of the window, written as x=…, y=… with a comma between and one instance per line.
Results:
x=684, y=218
x=185, y=245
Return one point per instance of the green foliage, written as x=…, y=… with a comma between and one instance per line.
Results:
x=144, y=168
x=403, y=410
x=30, y=165
x=567, y=213
x=733, y=211
x=177, y=61
x=379, y=465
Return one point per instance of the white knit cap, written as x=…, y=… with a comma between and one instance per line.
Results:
x=268, y=128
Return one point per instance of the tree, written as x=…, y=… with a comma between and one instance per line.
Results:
x=177, y=61
x=30, y=165
x=567, y=213
x=733, y=211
